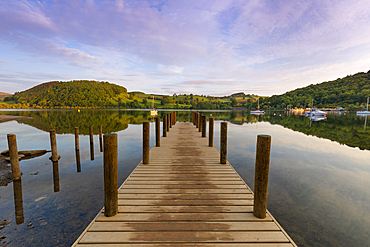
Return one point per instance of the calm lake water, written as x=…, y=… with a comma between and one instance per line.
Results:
x=318, y=186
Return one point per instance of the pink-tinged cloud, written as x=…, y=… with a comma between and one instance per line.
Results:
x=170, y=42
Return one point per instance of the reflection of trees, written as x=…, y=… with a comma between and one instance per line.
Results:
x=346, y=129
x=65, y=121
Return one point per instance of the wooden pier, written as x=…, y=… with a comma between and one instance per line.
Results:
x=184, y=197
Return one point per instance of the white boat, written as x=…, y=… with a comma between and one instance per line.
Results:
x=153, y=112
x=258, y=111
x=315, y=112
x=317, y=118
x=367, y=112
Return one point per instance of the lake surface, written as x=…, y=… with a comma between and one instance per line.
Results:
x=318, y=186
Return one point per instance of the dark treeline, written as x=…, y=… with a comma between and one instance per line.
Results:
x=349, y=92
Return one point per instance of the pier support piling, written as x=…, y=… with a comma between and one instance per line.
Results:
x=261, y=175
x=204, y=126
x=211, y=132
x=158, y=132
x=164, y=126
x=200, y=123
x=223, y=145
x=146, y=143
x=110, y=175
x=168, y=122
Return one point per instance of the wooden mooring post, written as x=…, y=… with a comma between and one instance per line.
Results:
x=223, y=145
x=164, y=126
x=91, y=142
x=170, y=115
x=168, y=122
x=261, y=175
x=110, y=175
x=210, y=132
x=204, y=126
x=53, y=143
x=200, y=123
x=13, y=154
x=146, y=143
x=158, y=132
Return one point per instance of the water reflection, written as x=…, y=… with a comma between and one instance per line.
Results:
x=318, y=189
x=18, y=201
x=56, y=176
x=78, y=161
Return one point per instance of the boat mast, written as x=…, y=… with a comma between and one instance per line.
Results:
x=367, y=106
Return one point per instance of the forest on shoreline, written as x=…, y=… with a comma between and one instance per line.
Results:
x=349, y=92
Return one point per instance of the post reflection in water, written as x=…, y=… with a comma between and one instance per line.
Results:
x=18, y=201
x=91, y=142
x=56, y=176
x=78, y=161
x=77, y=149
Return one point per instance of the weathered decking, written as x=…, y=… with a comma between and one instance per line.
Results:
x=184, y=197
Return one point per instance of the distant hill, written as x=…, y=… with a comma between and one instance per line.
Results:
x=70, y=94
x=349, y=92
x=4, y=95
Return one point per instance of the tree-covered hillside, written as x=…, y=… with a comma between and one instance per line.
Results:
x=349, y=92
x=71, y=94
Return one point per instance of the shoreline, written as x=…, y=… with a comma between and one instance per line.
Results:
x=8, y=118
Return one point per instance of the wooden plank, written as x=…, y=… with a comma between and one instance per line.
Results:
x=184, y=182
x=186, y=175
x=171, y=216
x=168, y=196
x=184, y=186
x=185, y=209
x=200, y=171
x=174, y=178
x=185, y=191
x=214, y=202
x=183, y=226
x=186, y=237
x=192, y=244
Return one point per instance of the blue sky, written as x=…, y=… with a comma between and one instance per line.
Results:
x=217, y=48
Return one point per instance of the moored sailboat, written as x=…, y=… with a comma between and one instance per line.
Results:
x=153, y=111
x=257, y=111
x=367, y=112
